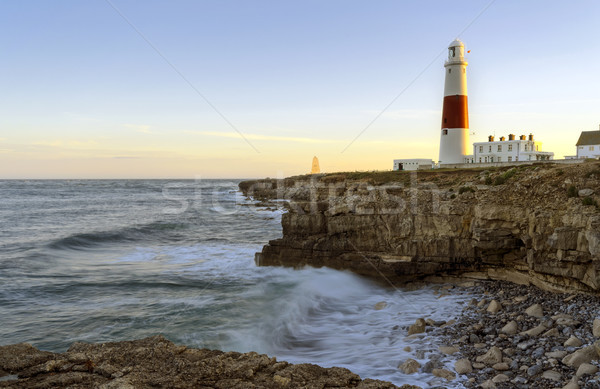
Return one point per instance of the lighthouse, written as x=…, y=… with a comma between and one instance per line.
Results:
x=454, y=138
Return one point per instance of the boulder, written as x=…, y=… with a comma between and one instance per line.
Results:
x=448, y=350
x=494, y=307
x=418, y=327
x=583, y=355
x=410, y=366
x=463, y=366
x=596, y=328
x=573, y=341
x=535, y=310
x=535, y=331
x=585, y=192
x=552, y=375
x=586, y=369
x=500, y=378
x=511, y=328
x=493, y=356
x=443, y=373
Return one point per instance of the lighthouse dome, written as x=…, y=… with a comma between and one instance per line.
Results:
x=457, y=42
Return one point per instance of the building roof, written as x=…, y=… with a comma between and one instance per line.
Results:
x=456, y=42
x=589, y=138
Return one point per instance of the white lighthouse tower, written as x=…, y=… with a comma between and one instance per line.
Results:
x=454, y=140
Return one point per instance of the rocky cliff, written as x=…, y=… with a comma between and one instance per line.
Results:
x=537, y=224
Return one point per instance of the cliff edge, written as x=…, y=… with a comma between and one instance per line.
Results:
x=532, y=224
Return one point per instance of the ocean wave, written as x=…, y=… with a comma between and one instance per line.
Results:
x=157, y=231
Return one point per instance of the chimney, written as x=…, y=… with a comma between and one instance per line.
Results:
x=490, y=138
x=522, y=137
x=511, y=136
x=502, y=139
x=530, y=136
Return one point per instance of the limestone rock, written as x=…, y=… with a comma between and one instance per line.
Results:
x=417, y=328
x=596, y=328
x=511, y=328
x=493, y=356
x=586, y=369
x=157, y=362
x=448, y=350
x=410, y=366
x=535, y=310
x=443, y=373
x=551, y=333
x=583, y=355
x=535, y=331
x=573, y=341
x=500, y=378
x=489, y=384
x=463, y=366
x=500, y=366
x=571, y=385
x=585, y=192
x=494, y=307
x=552, y=375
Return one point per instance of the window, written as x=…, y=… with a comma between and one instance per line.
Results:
x=509, y=147
x=491, y=159
x=452, y=53
x=490, y=149
x=580, y=147
x=444, y=132
x=479, y=159
x=537, y=147
x=591, y=148
x=509, y=159
x=449, y=70
x=481, y=149
x=526, y=147
x=499, y=147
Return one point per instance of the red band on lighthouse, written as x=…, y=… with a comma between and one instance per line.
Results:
x=455, y=113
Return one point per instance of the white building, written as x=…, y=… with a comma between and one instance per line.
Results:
x=588, y=145
x=413, y=164
x=511, y=150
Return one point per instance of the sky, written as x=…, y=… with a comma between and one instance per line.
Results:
x=244, y=88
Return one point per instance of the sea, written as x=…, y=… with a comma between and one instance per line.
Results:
x=112, y=260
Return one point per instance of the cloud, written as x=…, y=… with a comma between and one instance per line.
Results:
x=144, y=129
x=264, y=137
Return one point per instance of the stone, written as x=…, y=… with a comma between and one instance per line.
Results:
x=535, y=331
x=380, y=305
x=463, y=366
x=520, y=299
x=409, y=366
x=535, y=310
x=534, y=370
x=494, y=307
x=489, y=384
x=551, y=333
x=583, y=355
x=571, y=385
x=417, y=328
x=443, y=373
x=596, y=328
x=493, y=356
x=586, y=369
x=448, y=350
x=560, y=354
x=511, y=328
x=565, y=320
x=500, y=366
x=552, y=375
x=585, y=192
x=500, y=378
x=407, y=349
x=573, y=341
x=474, y=339
x=478, y=365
